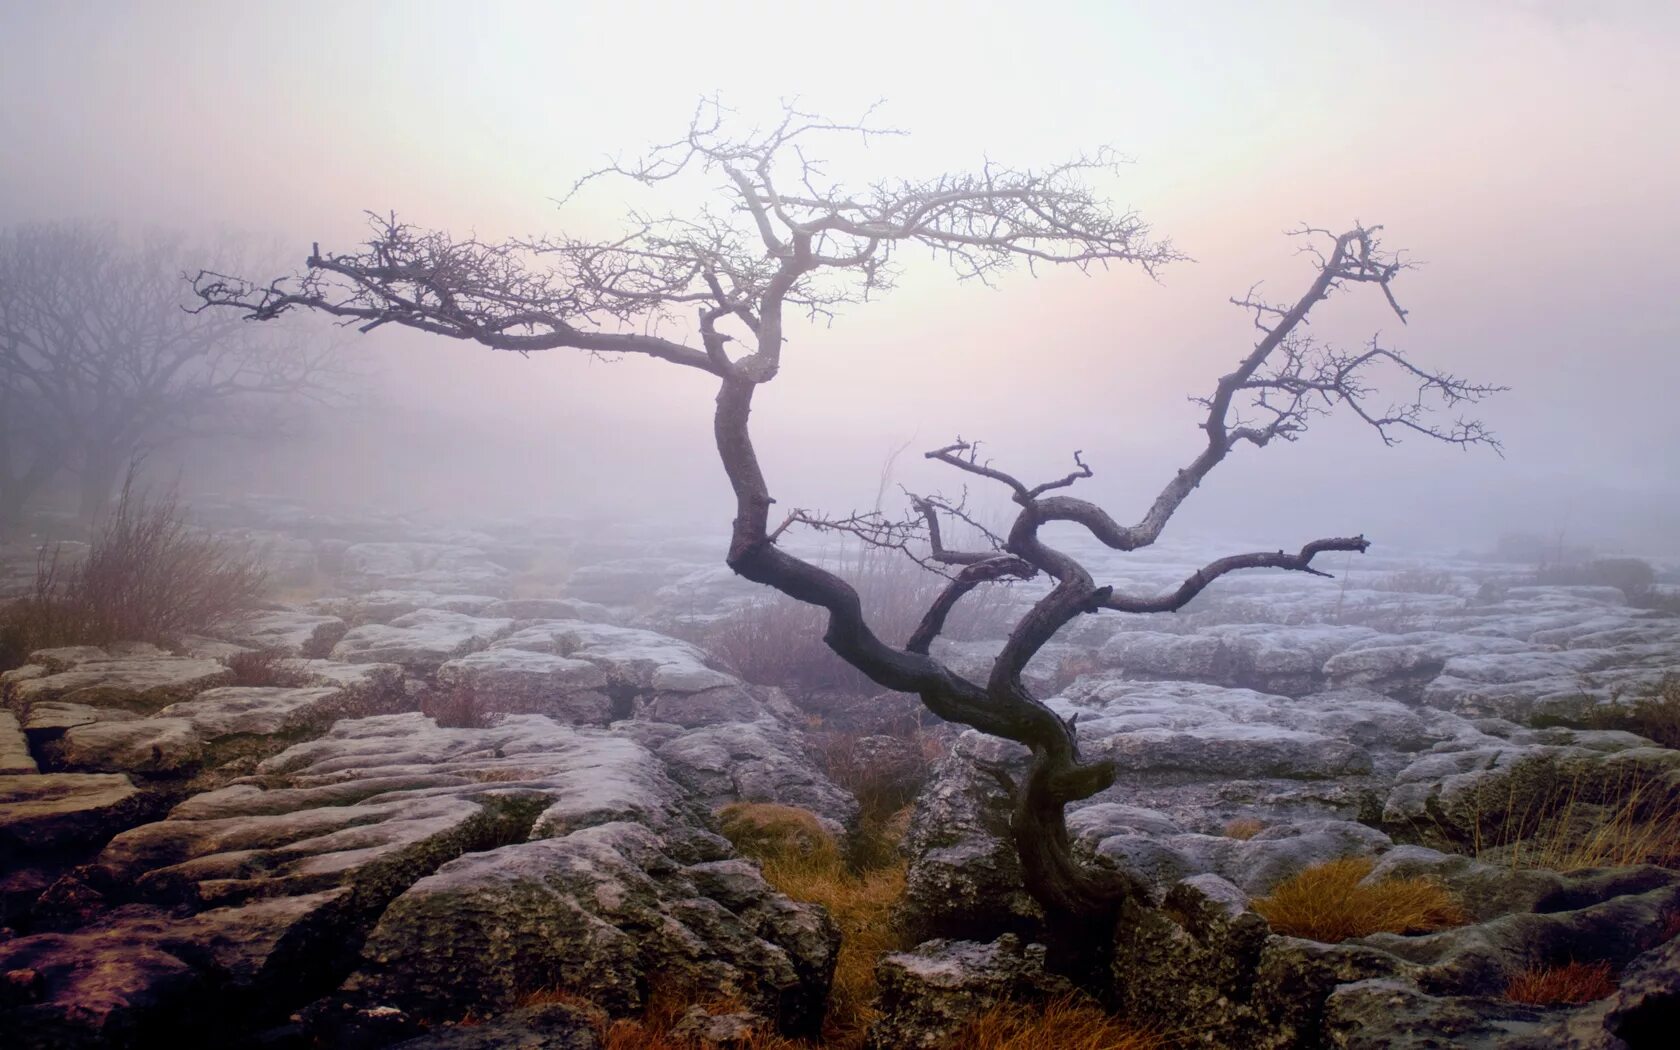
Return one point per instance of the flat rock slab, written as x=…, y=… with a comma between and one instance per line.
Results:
x=604, y=911
x=625, y=581
x=291, y=631
x=52, y=717
x=548, y=609
x=391, y=793
x=14, y=747
x=520, y=681
x=177, y=739
x=125, y=981
x=255, y=710
x=420, y=641
x=642, y=659
x=44, y=811
x=144, y=683
x=144, y=745
x=383, y=606
x=441, y=567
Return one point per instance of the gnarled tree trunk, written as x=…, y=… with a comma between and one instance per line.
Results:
x=791, y=238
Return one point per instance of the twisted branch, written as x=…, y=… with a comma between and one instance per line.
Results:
x=790, y=237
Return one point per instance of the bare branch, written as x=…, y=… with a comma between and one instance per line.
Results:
x=791, y=238
x=996, y=567
x=1198, y=581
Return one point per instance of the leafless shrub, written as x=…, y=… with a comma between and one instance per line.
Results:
x=884, y=774
x=264, y=667
x=459, y=707
x=147, y=576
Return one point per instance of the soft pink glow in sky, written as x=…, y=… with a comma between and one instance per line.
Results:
x=1526, y=151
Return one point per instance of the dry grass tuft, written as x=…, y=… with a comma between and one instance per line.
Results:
x=884, y=780
x=861, y=905
x=1069, y=1023
x=1655, y=717
x=1632, y=819
x=147, y=577
x=1553, y=985
x=1243, y=828
x=802, y=860
x=459, y=707
x=786, y=837
x=264, y=667
x=1330, y=902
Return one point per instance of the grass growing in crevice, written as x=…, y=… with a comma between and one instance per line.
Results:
x=1243, y=828
x=1572, y=983
x=802, y=860
x=1066, y=1023
x=1333, y=901
x=265, y=668
x=1655, y=716
x=654, y=1028
x=884, y=780
x=1577, y=824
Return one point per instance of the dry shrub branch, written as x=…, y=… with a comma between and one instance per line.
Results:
x=148, y=576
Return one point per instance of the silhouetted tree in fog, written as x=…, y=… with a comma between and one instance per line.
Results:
x=785, y=238
x=101, y=362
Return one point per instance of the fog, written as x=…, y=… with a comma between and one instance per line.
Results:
x=1524, y=153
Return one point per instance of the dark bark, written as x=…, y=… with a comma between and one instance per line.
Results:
x=816, y=249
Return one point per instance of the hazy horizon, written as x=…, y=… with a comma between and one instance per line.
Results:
x=1523, y=153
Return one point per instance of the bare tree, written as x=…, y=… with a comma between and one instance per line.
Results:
x=101, y=362
x=790, y=239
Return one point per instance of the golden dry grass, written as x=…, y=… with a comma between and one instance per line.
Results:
x=1243, y=828
x=802, y=860
x=1632, y=820
x=861, y=905
x=786, y=836
x=1069, y=1023
x=1571, y=983
x=1330, y=902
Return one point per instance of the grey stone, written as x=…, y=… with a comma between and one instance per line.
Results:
x=14, y=748
x=929, y=993
x=42, y=811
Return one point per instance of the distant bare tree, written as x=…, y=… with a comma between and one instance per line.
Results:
x=787, y=238
x=101, y=362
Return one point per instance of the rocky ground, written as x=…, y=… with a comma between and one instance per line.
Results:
x=474, y=767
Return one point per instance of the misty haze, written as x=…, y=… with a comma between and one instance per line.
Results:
x=839, y=527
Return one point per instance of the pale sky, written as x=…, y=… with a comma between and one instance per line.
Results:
x=1527, y=152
